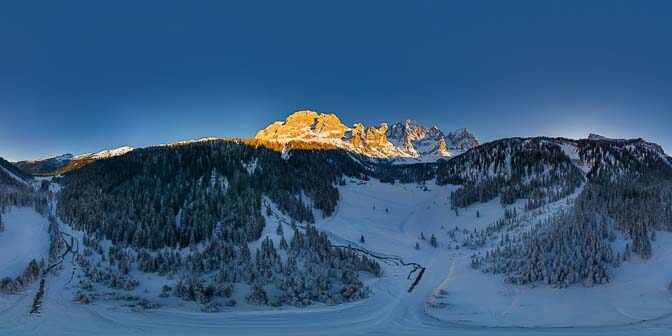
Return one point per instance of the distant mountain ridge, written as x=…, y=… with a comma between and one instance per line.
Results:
x=401, y=141
x=10, y=172
x=639, y=142
x=66, y=162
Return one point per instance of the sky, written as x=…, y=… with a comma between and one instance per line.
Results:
x=82, y=76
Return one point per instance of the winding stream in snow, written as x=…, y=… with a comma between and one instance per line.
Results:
x=398, y=306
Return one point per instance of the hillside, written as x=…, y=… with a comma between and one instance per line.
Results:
x=216, y=228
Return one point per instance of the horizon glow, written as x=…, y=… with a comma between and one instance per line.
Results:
x=80, y=77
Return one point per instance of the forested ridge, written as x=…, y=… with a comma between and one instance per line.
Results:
x=628, y=191
x=208, y=196
x=177, y=195
x=514, y=168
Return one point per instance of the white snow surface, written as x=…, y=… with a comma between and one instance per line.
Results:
x=25, y=238
x=477, y=303
x=572, y=152
x=108, y=153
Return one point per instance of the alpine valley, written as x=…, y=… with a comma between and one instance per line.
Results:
x=317, y=227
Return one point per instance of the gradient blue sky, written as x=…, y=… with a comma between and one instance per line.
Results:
x=80, y=76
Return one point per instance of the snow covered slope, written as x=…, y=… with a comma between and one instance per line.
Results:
x=24, y=238
x=450, y=298
x=431, y=239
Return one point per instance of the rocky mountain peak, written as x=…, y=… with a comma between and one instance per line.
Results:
x=400, y=140
x=304, y=125
x=462, y=140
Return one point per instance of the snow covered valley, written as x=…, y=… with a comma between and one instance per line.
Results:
x=25, y=238
x=449, y=298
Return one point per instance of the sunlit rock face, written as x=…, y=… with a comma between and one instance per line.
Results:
x=304, y=125
x=401, y=142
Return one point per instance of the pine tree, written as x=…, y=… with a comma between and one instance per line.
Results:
x=361, y=239
x=588, y=281
x=627, y=253
x=432, y=241
x=478, y=214
x=617, y=260
x=417, y=245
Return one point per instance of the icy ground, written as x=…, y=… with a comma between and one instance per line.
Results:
x=391, y=218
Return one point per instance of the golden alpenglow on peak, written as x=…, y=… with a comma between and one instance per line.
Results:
x=402, y=142
x=304, y=125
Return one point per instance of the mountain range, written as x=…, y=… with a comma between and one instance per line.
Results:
x=399, y=142
x=406, y=141
x=66, y=162
x=298, y=216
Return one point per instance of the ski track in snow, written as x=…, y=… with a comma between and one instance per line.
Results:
x=391, y=310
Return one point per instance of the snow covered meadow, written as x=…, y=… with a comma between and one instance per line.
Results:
x=25, y=238
x=449, y=298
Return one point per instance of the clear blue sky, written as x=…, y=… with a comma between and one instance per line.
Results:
x=80, y=76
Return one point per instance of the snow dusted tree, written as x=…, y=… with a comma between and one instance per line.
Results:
x=617, y=260
x=422, y=236
x=362, y=240
x=283, y=243
x=432, y=241
x=588, y=280
x=626, y=253
x=417, y=245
